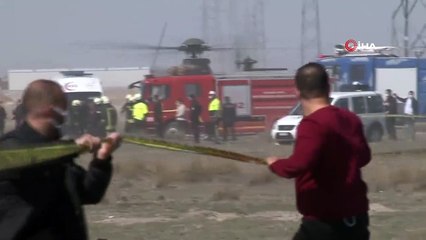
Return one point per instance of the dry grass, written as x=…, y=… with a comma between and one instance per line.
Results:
x=262, y=178
x=390, y=176
x=197, y=171
x=165, y=176
x=420, y=179
x=131, y=169
x=402, y=176
x=221, y=168
x=226, y=195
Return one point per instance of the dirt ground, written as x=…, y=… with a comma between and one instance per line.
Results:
x=156, y=194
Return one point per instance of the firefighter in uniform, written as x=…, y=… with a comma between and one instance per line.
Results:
x=214, y=116
x=96, y=126
x=111, y=115
x=127, y=109
x=140, y=109
x=75, y=117
x=84, y=112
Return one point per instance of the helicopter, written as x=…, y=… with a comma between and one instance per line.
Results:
x=195, y=47
x=194, y=63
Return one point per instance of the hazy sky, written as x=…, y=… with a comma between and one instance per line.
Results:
x=41, y=33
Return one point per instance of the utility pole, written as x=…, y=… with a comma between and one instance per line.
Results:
x=310, y=31
x=406, y=9
x=212, y=27
x=259, y=37
x=419, y=44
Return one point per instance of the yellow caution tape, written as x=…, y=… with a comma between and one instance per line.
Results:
x=405, y=116
x=27, y=157
x=376, y=115
x=154, y=143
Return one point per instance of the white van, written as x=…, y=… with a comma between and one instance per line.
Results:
x=79, y=85
x=367, y=105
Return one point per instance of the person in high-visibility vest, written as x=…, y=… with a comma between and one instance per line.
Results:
x=214, y=116
x=140, y=109
x=127, y=108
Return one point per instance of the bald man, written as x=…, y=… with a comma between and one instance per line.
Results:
x=45, y=201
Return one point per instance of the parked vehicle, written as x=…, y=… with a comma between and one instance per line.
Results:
x=367, y=105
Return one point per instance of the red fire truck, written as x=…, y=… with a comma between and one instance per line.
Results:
x=261, y=97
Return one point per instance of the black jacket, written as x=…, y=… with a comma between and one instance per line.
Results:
x=3, y=115
x=195, y=112
x=19, y=113
x=229, y=113
x=158, y=111
x=390, y=105
x=46, y=200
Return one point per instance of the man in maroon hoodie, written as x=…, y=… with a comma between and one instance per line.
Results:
x=329, y=152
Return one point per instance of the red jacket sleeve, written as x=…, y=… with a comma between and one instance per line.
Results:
x=309, y=141
x=364, y=151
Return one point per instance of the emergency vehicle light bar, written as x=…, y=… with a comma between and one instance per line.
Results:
x=75, y=73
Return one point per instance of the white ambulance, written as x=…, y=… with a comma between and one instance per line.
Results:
x=79, y=85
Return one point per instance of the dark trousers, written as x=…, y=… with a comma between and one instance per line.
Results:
x=75, y=130
x=355, y=228
x=159, y=129
x=138, y=126
x=129, y=125
x=211, y=131
x=2, y=128
x=97, y=131
x=196, y=131
x=411, y=131
x=228, y=127
x=390, y=127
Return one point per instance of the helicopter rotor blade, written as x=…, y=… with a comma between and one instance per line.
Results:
x=124, y=46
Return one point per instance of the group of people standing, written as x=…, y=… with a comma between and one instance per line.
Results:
x=410, y=110
x=136, y=110
x=218, y=113
x=97, y=117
